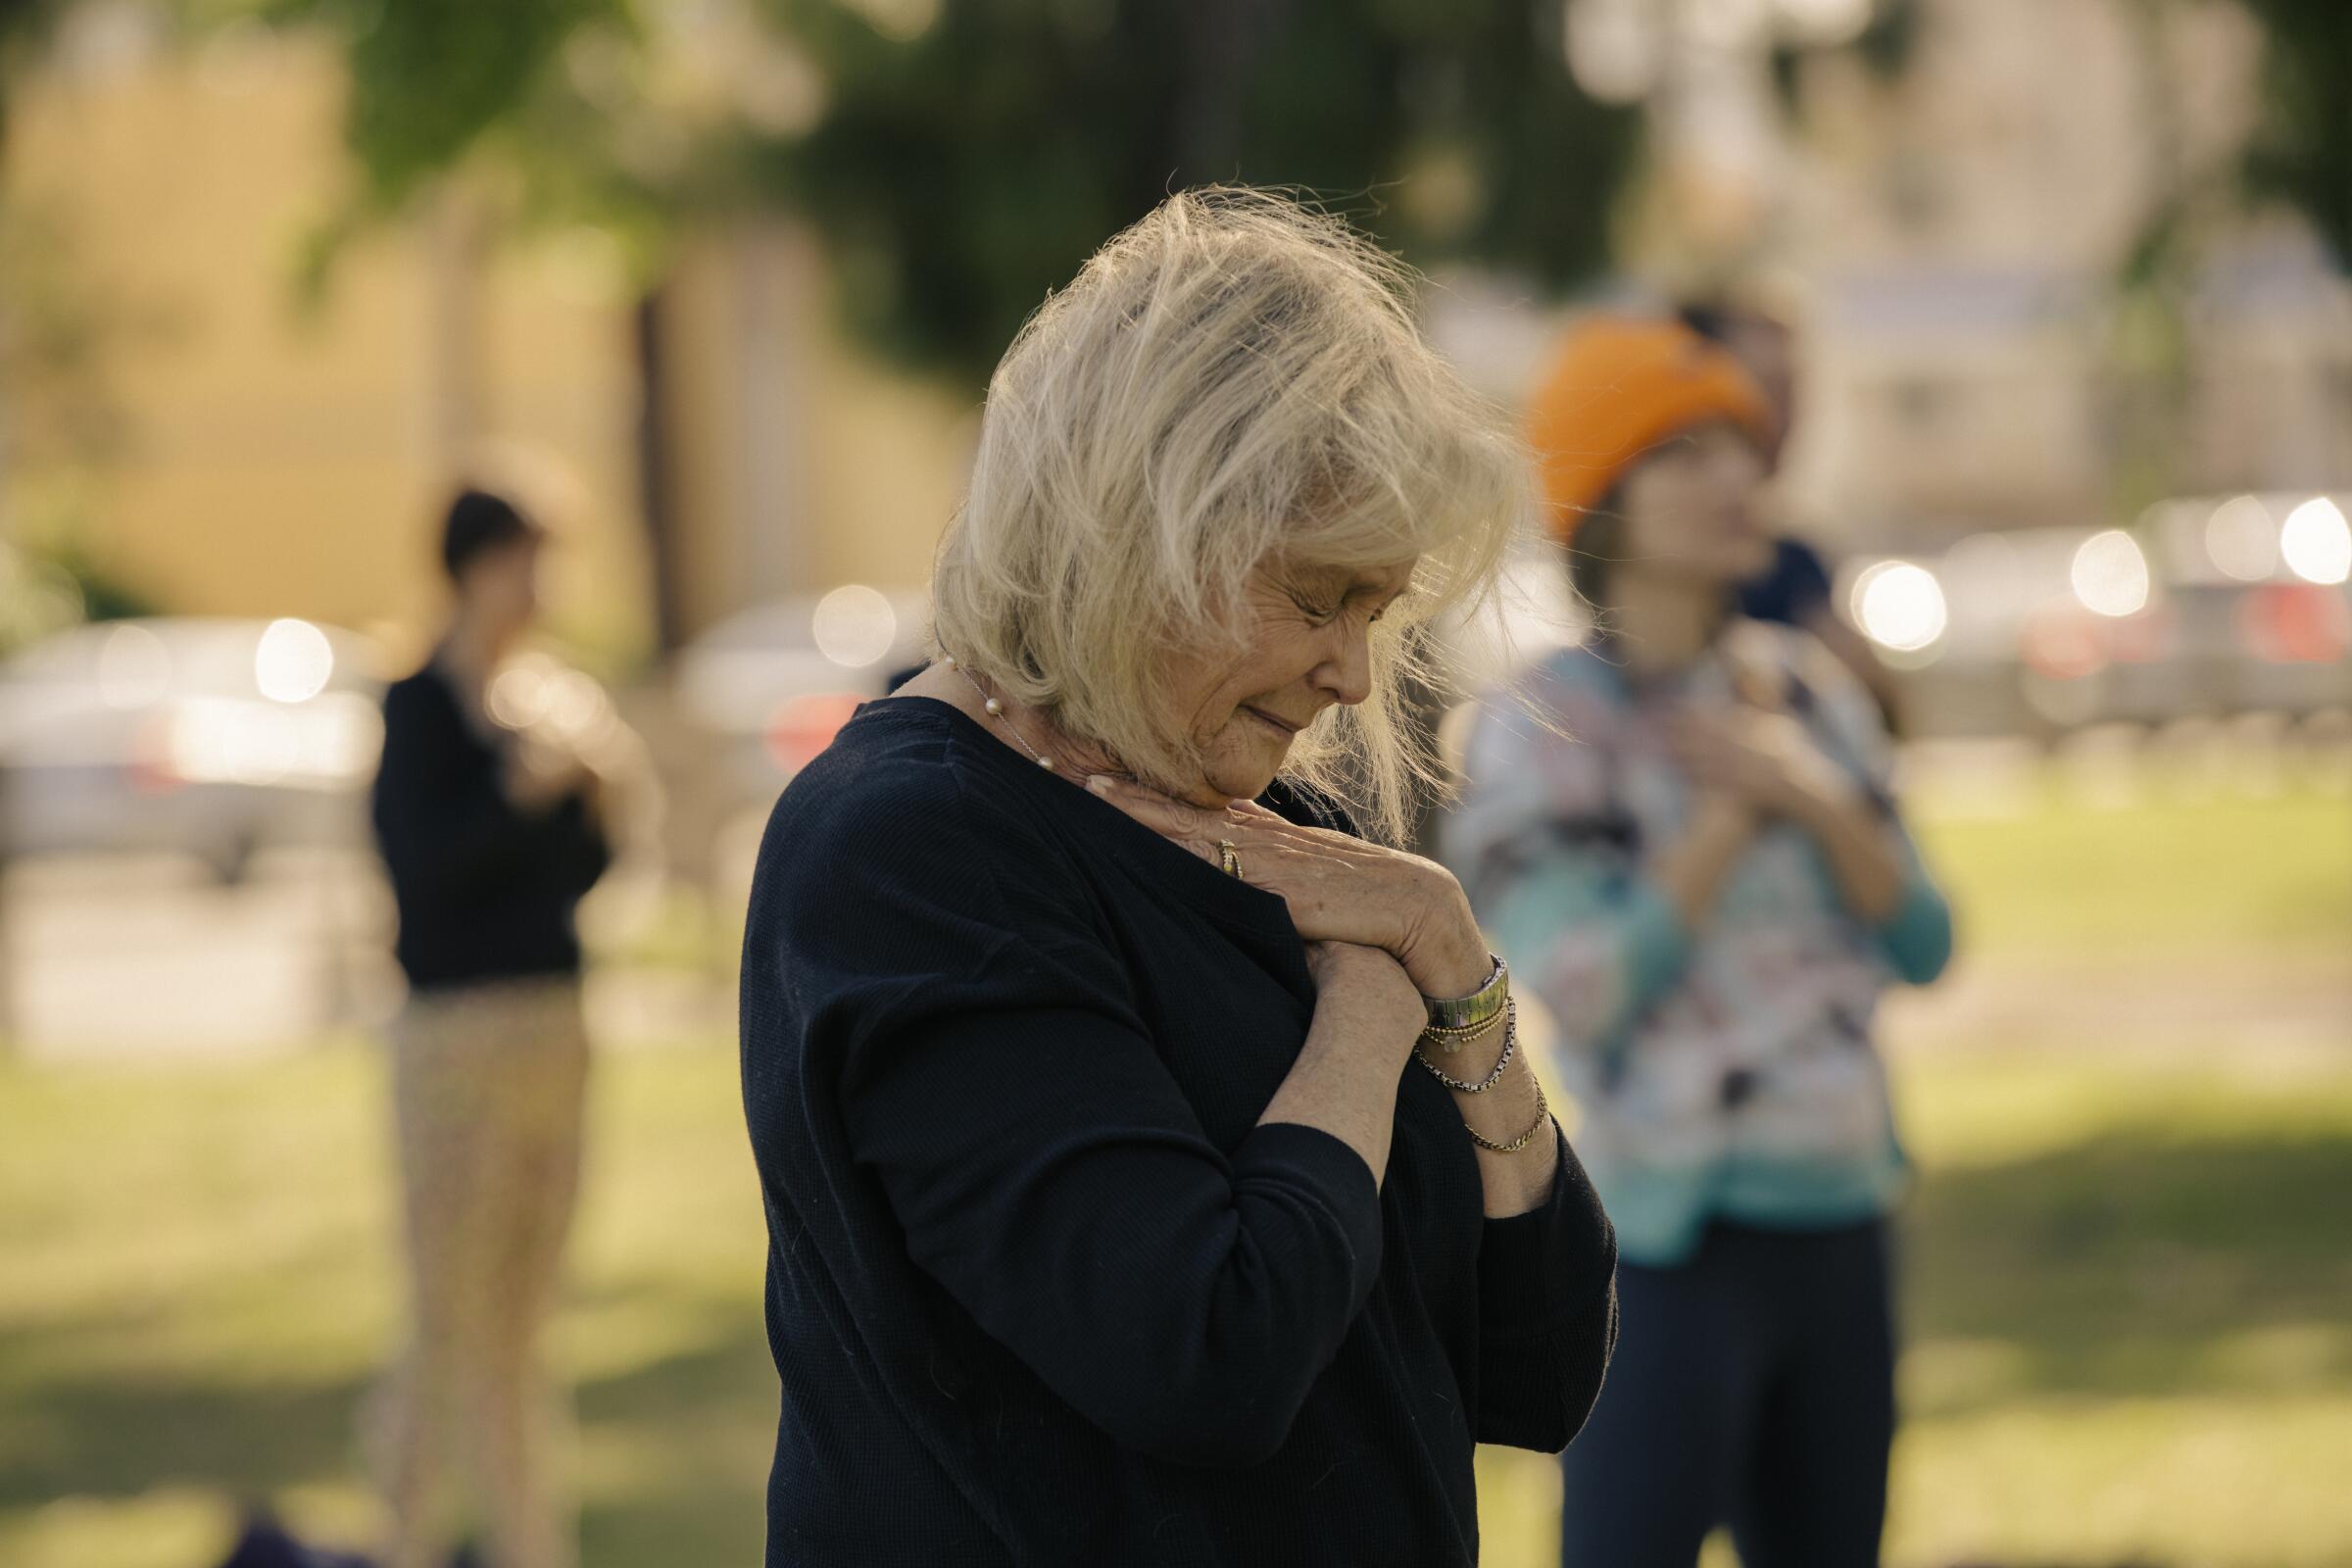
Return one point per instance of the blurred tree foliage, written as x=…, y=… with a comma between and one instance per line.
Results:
x=2299, y=152
x=64, y=324
x=964, y=156
x=429, y=77
x=436, y=84
x=24, y=23
x=2302, y=151
x=964, y=171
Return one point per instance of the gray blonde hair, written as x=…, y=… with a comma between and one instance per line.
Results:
x=1234, y=379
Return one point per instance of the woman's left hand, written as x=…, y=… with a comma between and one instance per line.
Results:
x=1339, y=887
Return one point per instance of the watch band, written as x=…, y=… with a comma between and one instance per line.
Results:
x=1480, y=1005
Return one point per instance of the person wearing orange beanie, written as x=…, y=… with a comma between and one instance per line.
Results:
x=1695, y=863
x=1617, y=390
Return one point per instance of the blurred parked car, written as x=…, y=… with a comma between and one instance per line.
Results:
x=768, y=686
x=212, y=737
x=2212, y=607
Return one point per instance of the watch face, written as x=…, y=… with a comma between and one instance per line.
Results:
x=1449, y=1012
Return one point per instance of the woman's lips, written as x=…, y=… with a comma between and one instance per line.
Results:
x=1287, y=731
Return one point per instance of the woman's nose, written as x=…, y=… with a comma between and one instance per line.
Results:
x=1348, y=673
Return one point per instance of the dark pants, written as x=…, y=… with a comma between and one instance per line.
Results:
x=1752, y=1385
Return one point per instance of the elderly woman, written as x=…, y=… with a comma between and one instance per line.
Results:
x=1689, y=850
x=1150, y=1173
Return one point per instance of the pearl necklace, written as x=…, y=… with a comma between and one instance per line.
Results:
x=996, y=711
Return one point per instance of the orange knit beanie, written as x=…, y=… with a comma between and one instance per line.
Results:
x=1618, y=387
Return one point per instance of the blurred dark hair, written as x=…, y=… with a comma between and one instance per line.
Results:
x=1712, y=319
x=1597, y=547
x=480, y=521
x=1719, y=317
x=1595, y=552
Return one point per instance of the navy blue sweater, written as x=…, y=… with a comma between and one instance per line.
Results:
x=1039, y=1289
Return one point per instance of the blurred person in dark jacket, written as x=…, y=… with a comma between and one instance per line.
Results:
x=492, y=823
x=1795, y=589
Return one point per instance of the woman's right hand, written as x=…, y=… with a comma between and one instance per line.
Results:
x=1339, y=887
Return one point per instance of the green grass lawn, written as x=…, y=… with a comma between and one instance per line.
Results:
x=2127, y=1283
x=2167, y=875
x=2127, y=1293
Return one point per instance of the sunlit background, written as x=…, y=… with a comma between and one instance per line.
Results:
x=715, y=284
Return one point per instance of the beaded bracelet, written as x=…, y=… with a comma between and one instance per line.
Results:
x=1452, y=1041
x=1510, y=1043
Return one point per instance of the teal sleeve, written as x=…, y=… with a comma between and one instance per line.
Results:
x=1917, y=937
x=1600, y=948
x=1656, y=943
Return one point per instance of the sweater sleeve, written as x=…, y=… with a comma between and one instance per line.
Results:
x=1043, y=1164
x=1547, y=1314
x=447, y=836
x=1916, y=938
x=573, y=850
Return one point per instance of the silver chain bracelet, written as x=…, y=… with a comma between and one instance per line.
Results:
x=1510, y=1044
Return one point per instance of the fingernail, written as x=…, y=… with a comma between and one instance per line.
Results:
x=1099, y=785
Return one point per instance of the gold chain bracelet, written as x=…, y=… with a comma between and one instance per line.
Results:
x=1451, y=1041
x=1543, y=1116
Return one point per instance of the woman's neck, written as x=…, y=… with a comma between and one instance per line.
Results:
x=1027, y=730
x=1664, y=623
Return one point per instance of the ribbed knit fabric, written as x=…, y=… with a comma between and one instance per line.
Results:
x=1039, y=1289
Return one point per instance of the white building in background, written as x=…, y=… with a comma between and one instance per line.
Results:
x=1955, y=233
x=1961, y=232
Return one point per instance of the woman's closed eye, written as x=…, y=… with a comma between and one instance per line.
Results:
x=1318, y=612
x=1323, y=603
x=1321, y=616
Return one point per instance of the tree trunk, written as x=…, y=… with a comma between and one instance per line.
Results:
x=656, y=487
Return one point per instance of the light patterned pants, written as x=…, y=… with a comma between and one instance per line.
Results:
x=488, y=1087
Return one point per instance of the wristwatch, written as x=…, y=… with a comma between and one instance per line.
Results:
x=1468, y=1013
